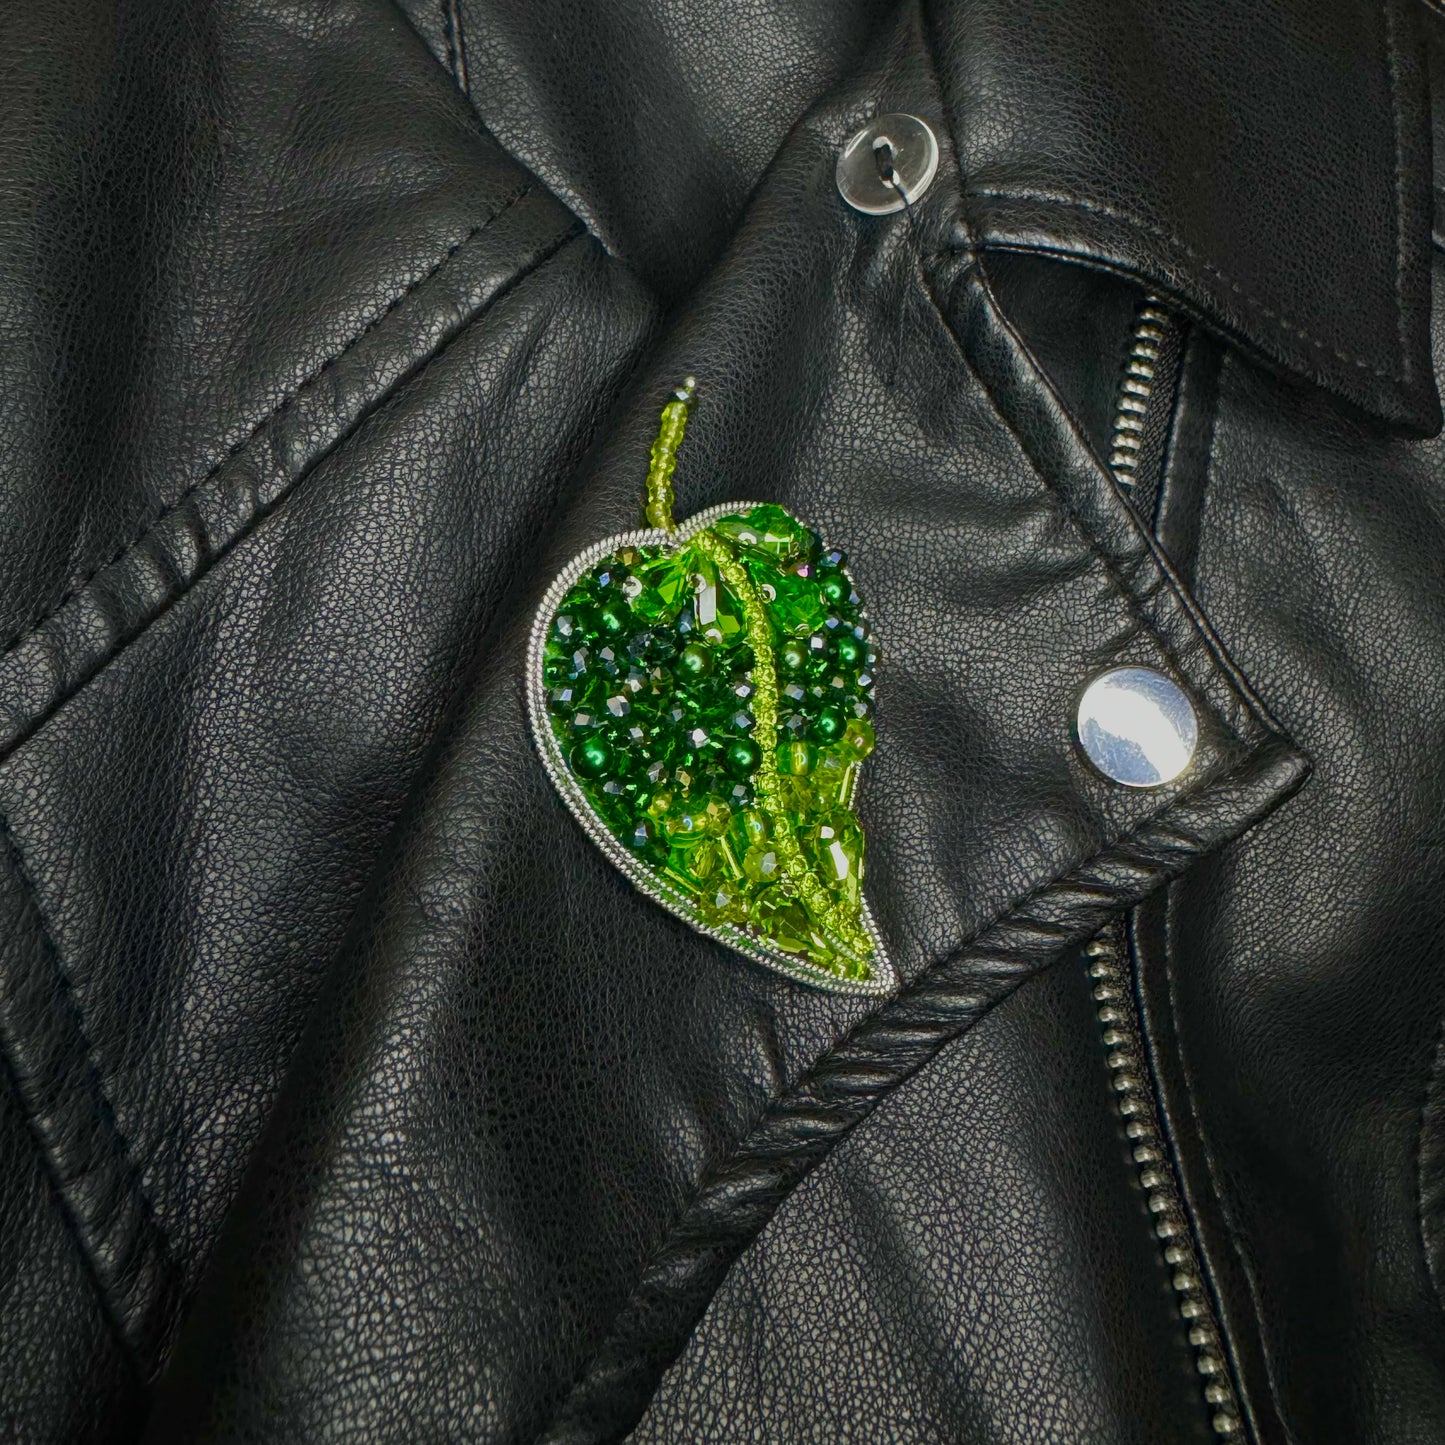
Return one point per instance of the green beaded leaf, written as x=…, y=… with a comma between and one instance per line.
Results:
x=703, y=700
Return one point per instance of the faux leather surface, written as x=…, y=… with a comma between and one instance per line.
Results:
x=347, y=1093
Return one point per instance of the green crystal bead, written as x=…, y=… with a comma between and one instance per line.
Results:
x=761, y=864
x=767, y=531
x=796, y=603
x=785, y=923
x=858, y=737
x=718, y=614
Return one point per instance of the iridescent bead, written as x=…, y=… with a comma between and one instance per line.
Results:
x=794, y=724
x=742, y=722
x=618, y=705
x=591, y=758
x=819, y=654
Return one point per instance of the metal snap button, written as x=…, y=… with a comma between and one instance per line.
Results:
x=894, y=156
x=1137, y=726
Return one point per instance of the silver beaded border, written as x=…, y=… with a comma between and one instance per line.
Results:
x=884, y=980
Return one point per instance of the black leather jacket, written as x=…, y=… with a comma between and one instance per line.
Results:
x=350, y=1093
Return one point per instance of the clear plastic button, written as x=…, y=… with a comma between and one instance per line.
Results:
x=1137, y=726
x=894, y=156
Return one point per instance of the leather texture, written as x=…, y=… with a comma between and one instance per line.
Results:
x=348, y=1094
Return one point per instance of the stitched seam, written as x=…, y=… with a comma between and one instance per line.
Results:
x=59, y=696
x=978, y=946
x=1212, y=1171
x=1279, y=319
x=29, y=628
x=133, y=1176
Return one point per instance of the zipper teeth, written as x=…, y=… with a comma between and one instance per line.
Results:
x=1134, y=1098
x=1136, y=388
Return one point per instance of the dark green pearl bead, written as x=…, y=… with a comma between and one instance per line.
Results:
x=591, y=758
x=835, y=587
x=828, y=725
x=742, y=757
x=693, y=663
x=792, y=656
x=848, y=650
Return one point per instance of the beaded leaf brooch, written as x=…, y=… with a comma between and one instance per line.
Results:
x=702, y=698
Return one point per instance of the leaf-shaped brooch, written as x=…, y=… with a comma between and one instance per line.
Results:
x=702, y=697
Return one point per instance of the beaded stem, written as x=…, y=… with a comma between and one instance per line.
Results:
x=664, y=457
x=840, y=930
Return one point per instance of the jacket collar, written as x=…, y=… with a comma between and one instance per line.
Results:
x=1263, y=163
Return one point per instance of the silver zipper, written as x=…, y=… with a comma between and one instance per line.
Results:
x=1134, y=1098
x=1136, y=388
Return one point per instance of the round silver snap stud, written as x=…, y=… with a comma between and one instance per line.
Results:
x=1137, y=726
x=893, y=156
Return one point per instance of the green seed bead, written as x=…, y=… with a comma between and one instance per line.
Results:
x=742, y=757
x=693, y=663
x=591, y=758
